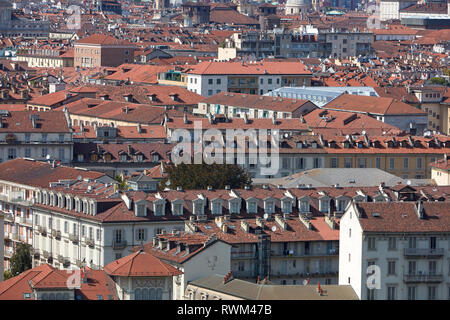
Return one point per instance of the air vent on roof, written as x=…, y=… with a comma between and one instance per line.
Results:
x=375, y=214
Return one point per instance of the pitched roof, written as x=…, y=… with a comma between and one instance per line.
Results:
x=259, y=68
x=103, y=39
x=140, y=264
x=40, y=174
x=374, y=105
x=20, y=121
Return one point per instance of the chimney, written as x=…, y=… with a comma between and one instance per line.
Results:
x=245, y=226
x=419, y=209
x=260, y=222
x=139, y=129
x=224, y=228
x=185, y=119
x=280, y=221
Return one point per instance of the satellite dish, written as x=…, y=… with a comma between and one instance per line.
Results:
x=274, y=229
x=219, y=224
x=266, y=216
x=363, y=132
x=408, y=182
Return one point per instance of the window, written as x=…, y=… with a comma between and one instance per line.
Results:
x=333, y=163
x=44, y=152
x=287, y=206
x=159, y=209
x=362, y=163
x=98, y=234
x=433, y=243
x=91, y=233
x=75, y=229
x=12, y=153
x=412, y=267
x=432, y=267
x=405, y=163
x=304, y=206
x=391, y=293
x=118, y=236
x=371, y=244
x=234, y=207
x=269, y=207
x=251, y=207
x=419, y=163
x=432, y=293
x=61, y=138
x=61, y=153
x=348, y=163
x=378, y=163
x=350, y=233
x=140, y=234
x=198, y=208
x=27, y=152
x=370, y=294
x=391, y=267
x=27, y=137
x=44, y=137
x=66, y=227
x=210, y=81
x=392, y=243
x=412, y=242
x=317, y=163
x=178, y=209
x=391, y=163
x=218, y=81
x=411, y=293
x=299, y=163
x=216, y=207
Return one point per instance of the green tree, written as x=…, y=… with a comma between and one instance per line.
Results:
x=437, y=80
x=122, y=183
x=200, y=176
x=21, y=259
x=7, y=275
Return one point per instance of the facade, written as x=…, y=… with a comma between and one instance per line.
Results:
x=142, y=276
x=11, y=26
x=102, y=50
x=43, y=58
x=390, y=9
x=217, y=287
x=40, y=135
x=2, y=245
x=254, y=106
x=209, y=78
x=440, y=172
x=410, y=255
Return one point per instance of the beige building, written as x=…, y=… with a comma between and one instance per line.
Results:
x=440, y=172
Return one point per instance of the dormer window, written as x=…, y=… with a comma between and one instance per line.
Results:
x=252, y=207
x=234, y=207
x=299, y=145
x=158, y=208
x=107, y=157
x=123, y=158
x=324, y=204
x=304, y=206
x=93, y=209
x=94, y=157
x=177, y=208
x=340, y=205
x=269, y=206
x=138, y=158
x=287, y=206
x=80, y=157
x=216, y=207
x=155, y=157
x=140, y=210
x=198, y=208
x=85, y=207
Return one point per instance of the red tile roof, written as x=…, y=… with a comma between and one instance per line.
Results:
x=260, y=68
x=141, y=264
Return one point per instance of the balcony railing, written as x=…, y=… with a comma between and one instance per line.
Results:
x=56, y=234
x=42, y=230
x=424, y=252
x=119, y=244
x=9, y=217
x=60, y=258
x=89, y=242
x=73, y=237
x=244, y=254
x=14, y=236
x=422, y=277
x=24, y=220
x=46, y=254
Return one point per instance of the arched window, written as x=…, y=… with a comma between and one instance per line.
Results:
x=58, y=296
x=65, y=296
x=137, y=294
x=51, y=296
x=44, y=296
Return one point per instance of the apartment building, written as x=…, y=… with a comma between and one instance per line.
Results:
x=407, y=245
x=234, y=105
x=388, y=110
x=285, y=248
x=2, y=245
x=100, y=50
x=210, y=78
x=37, y=135
x=46, y=58
x=390, y=9
x=440, y=172
x=434, y=101
x=20, y=179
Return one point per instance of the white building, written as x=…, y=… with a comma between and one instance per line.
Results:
x=406, y=245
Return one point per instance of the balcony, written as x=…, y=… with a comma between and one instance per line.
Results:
x=89, y=242
x=66, y=262
x=244, y=255
x=36, y=253
x=42, y=230
x=60, y=258
x=46, y=254
x=73, y=237
x=427, y=253
x=118, y=245
x=24, y=220
x=8, y=254
x=9, y=217
x=14, y=237
x=56, y=234
x=423, y=278
x=6, y=236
